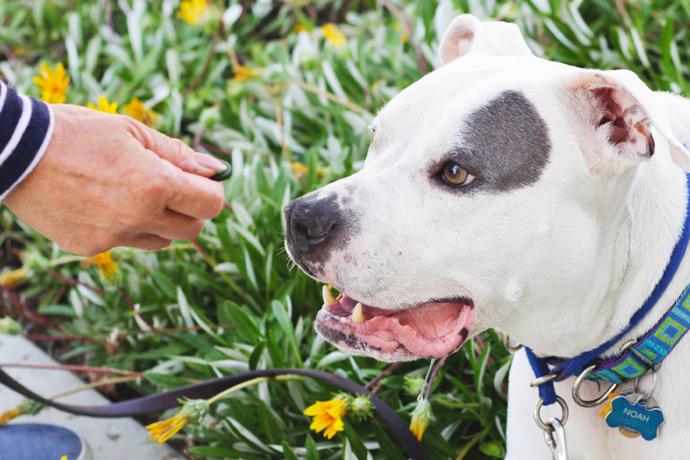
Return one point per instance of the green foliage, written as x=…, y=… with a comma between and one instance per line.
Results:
x=231, y=301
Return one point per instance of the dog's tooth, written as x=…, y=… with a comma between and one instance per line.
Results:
x=358, y=314
x=327, y=295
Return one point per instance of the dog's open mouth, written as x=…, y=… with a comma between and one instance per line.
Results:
x=431, y=330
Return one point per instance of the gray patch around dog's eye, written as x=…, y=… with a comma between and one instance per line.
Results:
x=507, y=141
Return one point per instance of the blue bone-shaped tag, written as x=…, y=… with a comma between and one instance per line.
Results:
x=635, y=416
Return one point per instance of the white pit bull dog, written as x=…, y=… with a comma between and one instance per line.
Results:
x=506, y=191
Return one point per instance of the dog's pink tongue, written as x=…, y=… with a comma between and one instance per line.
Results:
x=431, y=330
x=433, y=320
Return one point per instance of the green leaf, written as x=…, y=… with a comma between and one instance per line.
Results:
x=492, y=449
x=62, y=310
x=213, y=452
x=288, y=453
x=164, y=380
x=358, y=447
x=165, y=284
x=172, y=349
x=286, y=325
x=312, y=451
x=272, y=427
x=243, y=325
x=392, y=451
x=256, y=355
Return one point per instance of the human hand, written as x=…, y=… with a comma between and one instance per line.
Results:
x=108, y=180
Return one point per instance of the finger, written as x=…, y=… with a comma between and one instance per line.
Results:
x=147, y=242
x=176, y=151
x=195, y=196
x=176, y=226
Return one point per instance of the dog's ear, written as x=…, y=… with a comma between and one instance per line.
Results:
x=615, y=114
x=467, y=34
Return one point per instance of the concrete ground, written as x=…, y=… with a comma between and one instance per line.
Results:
x=108, y=439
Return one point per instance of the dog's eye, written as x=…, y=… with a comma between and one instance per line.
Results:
x=455, y=175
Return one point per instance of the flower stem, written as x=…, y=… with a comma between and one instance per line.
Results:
x=76, y=368
x=432, y=377
x=376, y=383
x=90, y=386
x=248, y=383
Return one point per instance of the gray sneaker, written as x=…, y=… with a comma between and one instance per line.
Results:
x=41, y=441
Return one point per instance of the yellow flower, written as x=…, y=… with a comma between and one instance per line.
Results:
x=328, y=416
x=104, y=105
x=10, y=414
x=27, y=406
x=165, y=429
x=333, y=34
x=191, y=11
x=299, y=170
x=13, y=278
x=243, y=73
x=421, y=417
x=105, y=263
x=193, y=410
x=52, y=83
x=64, y=457
x=137, y=110
x=404, y=36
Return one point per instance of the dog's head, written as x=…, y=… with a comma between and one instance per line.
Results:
x=482, y=201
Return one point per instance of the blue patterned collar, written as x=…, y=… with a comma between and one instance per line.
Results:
x=648, y=351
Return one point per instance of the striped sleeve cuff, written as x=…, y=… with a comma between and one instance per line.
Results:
x=26, y=126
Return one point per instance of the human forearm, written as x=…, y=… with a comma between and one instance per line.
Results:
x=107, y=180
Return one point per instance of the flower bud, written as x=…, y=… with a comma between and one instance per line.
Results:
x=414, y=385
x=361, y=407
x=421, y=418
x=9, y=326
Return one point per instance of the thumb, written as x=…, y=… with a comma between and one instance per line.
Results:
x=176, y=151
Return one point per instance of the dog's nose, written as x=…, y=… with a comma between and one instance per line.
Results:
x=311, y=222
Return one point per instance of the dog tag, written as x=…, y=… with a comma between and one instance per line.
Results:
x=635, y=415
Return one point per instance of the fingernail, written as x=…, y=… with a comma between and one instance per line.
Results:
x=208, y=162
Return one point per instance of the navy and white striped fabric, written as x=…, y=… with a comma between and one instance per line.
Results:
x=26, y=125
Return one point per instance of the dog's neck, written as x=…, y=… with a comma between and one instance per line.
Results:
x=653, y=221
x=638, y=239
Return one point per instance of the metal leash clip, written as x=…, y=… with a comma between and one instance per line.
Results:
x=556, y=441
x=554, y=433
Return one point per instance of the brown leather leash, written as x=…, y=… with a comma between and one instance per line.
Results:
x=397, y=427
